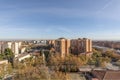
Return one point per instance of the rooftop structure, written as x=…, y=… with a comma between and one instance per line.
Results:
x=106, y=75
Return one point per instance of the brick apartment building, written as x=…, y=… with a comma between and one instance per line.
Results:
x=62, y=46
x=74, y=46
x=81, y=46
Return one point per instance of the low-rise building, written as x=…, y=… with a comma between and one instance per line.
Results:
x=4, y=62
x=22, y=50
x=23, y=56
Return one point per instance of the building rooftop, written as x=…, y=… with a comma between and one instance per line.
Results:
x=22, y=55
x=112, y=75
x=107, y=75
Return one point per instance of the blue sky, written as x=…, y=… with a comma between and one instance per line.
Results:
x=51, y=19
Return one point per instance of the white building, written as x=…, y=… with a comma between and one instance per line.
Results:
x=20, y=44
x=23, y=56
x=4, y=62
x=15, y=48
x=7, y=45
x=23, y=50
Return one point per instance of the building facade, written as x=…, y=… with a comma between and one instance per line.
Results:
x=81, y=46
x=74, y=46
x=51, y=42
x=62, y=46
x=1, y=47
x=14, y=46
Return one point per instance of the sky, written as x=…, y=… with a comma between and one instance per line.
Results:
x=51, y=19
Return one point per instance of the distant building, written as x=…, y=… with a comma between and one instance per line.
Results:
x=74, y=46
x=19, y=44
x=34, y=42
x=62, y=46
x=23, y=56
x=81, y=46
x=8, y=45
x=22, y=50
x=51, y=42
x=5, y=45
x=2, y=47
x=14, y=46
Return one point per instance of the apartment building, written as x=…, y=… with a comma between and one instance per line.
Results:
x=1, y=47
x=14, y=46
x=4, y=45
x=74, y=46
x=81, y=46
x=19, y=44
x=62, y=46
x=51, y=42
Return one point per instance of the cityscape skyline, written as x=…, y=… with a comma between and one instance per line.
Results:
x=51, y=19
